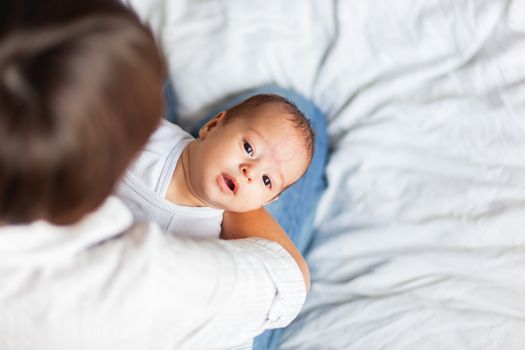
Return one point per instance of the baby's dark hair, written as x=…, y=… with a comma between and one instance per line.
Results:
x=289, y=110
x=78, y=99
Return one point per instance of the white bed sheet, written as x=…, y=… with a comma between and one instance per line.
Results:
x=421, y=232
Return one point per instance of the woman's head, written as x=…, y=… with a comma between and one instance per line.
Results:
x=78, y=100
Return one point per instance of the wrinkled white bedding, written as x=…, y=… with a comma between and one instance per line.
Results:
x=421, y=232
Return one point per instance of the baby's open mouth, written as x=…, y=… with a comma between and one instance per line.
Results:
x=230, y=183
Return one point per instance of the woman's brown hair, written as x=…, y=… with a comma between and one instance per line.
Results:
x=78, y=99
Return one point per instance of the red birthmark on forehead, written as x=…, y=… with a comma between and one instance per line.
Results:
x=285, y=150
x=284, y=143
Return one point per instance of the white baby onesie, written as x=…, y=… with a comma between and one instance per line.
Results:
x=144, y=185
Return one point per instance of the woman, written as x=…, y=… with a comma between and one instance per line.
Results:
x=80, y=93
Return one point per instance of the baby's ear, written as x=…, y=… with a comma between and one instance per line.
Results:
x=211, y=124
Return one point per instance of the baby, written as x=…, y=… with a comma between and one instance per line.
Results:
x=242, y=159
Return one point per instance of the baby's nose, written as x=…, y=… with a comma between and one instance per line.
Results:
x=247, y=172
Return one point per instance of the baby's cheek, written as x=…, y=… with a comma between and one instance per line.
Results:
x=258, y=199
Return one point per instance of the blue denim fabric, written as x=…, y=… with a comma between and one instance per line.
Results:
x=169, y=102
x=295, y=209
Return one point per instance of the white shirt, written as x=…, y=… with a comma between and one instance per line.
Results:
x=144, y=186
x=105, y=283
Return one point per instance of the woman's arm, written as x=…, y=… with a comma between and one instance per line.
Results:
x=259, y=223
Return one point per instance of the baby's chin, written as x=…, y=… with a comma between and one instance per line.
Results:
x=216, y=200
x=237, y=208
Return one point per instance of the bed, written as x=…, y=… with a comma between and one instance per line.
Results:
x=420, y=235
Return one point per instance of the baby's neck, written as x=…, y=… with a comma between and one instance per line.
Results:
x=179, y=189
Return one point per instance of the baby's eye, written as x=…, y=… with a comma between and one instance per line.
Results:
x=248, y=149
x=267, y=182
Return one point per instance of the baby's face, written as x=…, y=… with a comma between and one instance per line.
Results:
x=244, y=164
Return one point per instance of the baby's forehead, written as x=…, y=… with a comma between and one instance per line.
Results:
x=290, y=155
x=273, y=122
x=280, y=133
x=276, y=132
x=284, y=149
